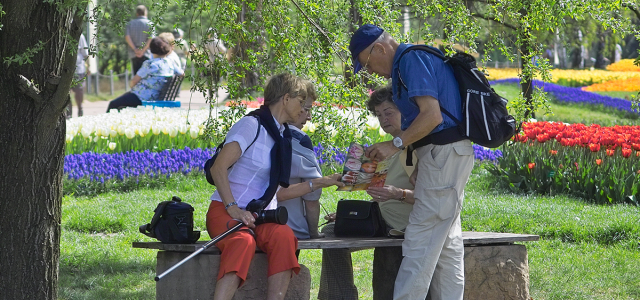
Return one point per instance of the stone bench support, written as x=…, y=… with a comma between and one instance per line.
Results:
x=495, y=268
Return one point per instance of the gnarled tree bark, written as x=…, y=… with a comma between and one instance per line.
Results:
x=32, y=130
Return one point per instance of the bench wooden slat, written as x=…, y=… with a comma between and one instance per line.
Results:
x=470, y=238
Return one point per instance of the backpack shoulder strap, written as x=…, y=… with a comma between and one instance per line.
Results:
x=430, y=50
x=422, y=48
x=257, y=133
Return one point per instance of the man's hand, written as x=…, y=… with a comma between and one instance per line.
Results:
x=381, y=151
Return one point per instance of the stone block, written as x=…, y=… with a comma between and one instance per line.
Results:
x=496, y=272
x=196, y=279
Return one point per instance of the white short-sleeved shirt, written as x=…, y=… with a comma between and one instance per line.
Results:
x=249, y=176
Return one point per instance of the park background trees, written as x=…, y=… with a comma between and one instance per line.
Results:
x=38, y=42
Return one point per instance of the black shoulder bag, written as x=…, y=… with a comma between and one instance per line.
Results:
x=359, y=218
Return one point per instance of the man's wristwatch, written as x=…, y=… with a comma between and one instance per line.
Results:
x=397, y=141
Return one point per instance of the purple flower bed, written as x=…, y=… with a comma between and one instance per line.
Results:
x=575, y=95
x=101, y=167
x=482, y=154
x=330, y=154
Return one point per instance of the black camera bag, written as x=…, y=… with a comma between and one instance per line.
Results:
x=172, y=223
x=359, y=218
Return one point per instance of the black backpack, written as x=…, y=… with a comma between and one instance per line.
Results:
x=485, y=118
x=210, y=161
x=172, y=223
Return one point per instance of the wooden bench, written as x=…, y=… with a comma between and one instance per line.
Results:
x=495, y=267
x=168, y=94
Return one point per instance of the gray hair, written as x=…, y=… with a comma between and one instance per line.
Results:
x=379, y=96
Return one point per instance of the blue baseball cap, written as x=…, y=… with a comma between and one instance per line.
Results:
x=360, y=40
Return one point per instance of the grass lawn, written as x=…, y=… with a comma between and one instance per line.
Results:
x=586, y=251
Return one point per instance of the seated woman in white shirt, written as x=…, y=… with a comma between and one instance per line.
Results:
x=243, y=172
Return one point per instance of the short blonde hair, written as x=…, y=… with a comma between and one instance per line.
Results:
x=311, y=90
x=282, y=84
x=168, y=37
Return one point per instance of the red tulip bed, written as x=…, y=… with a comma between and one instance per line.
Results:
x=600, y=164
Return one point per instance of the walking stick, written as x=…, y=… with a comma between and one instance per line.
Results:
x=206, y=246
x=278, y=216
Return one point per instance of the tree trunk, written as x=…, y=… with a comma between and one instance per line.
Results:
x=527, y=82
x=32, y=131
x=354, y=15
x=599, y=46
x=251, y=18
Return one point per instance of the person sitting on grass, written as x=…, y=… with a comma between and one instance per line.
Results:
x=151, y=77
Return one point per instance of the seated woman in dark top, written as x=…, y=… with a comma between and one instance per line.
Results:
x=147, y=83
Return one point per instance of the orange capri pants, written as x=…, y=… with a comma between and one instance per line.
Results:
x=237, y=249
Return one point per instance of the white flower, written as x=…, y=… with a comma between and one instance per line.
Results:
x=194, y=132
x=382, y=132
x=309, y=127
x=155, y=129
x=69, y=138
x=112, y=146
x=113, y=133
x=130, y=133
x=173, y=132
x=183, y=128
x=86, y=132
x=373, y=123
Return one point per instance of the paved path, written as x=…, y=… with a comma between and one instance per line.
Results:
x=187, y=100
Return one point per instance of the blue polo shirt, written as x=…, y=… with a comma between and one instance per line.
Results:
x=424, y=75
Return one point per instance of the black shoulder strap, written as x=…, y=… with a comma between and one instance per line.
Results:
x=257, y=133
x=147, y=229
x=431, y=51
x=254, y=139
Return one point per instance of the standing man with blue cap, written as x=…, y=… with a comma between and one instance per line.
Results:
x=422, y=83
